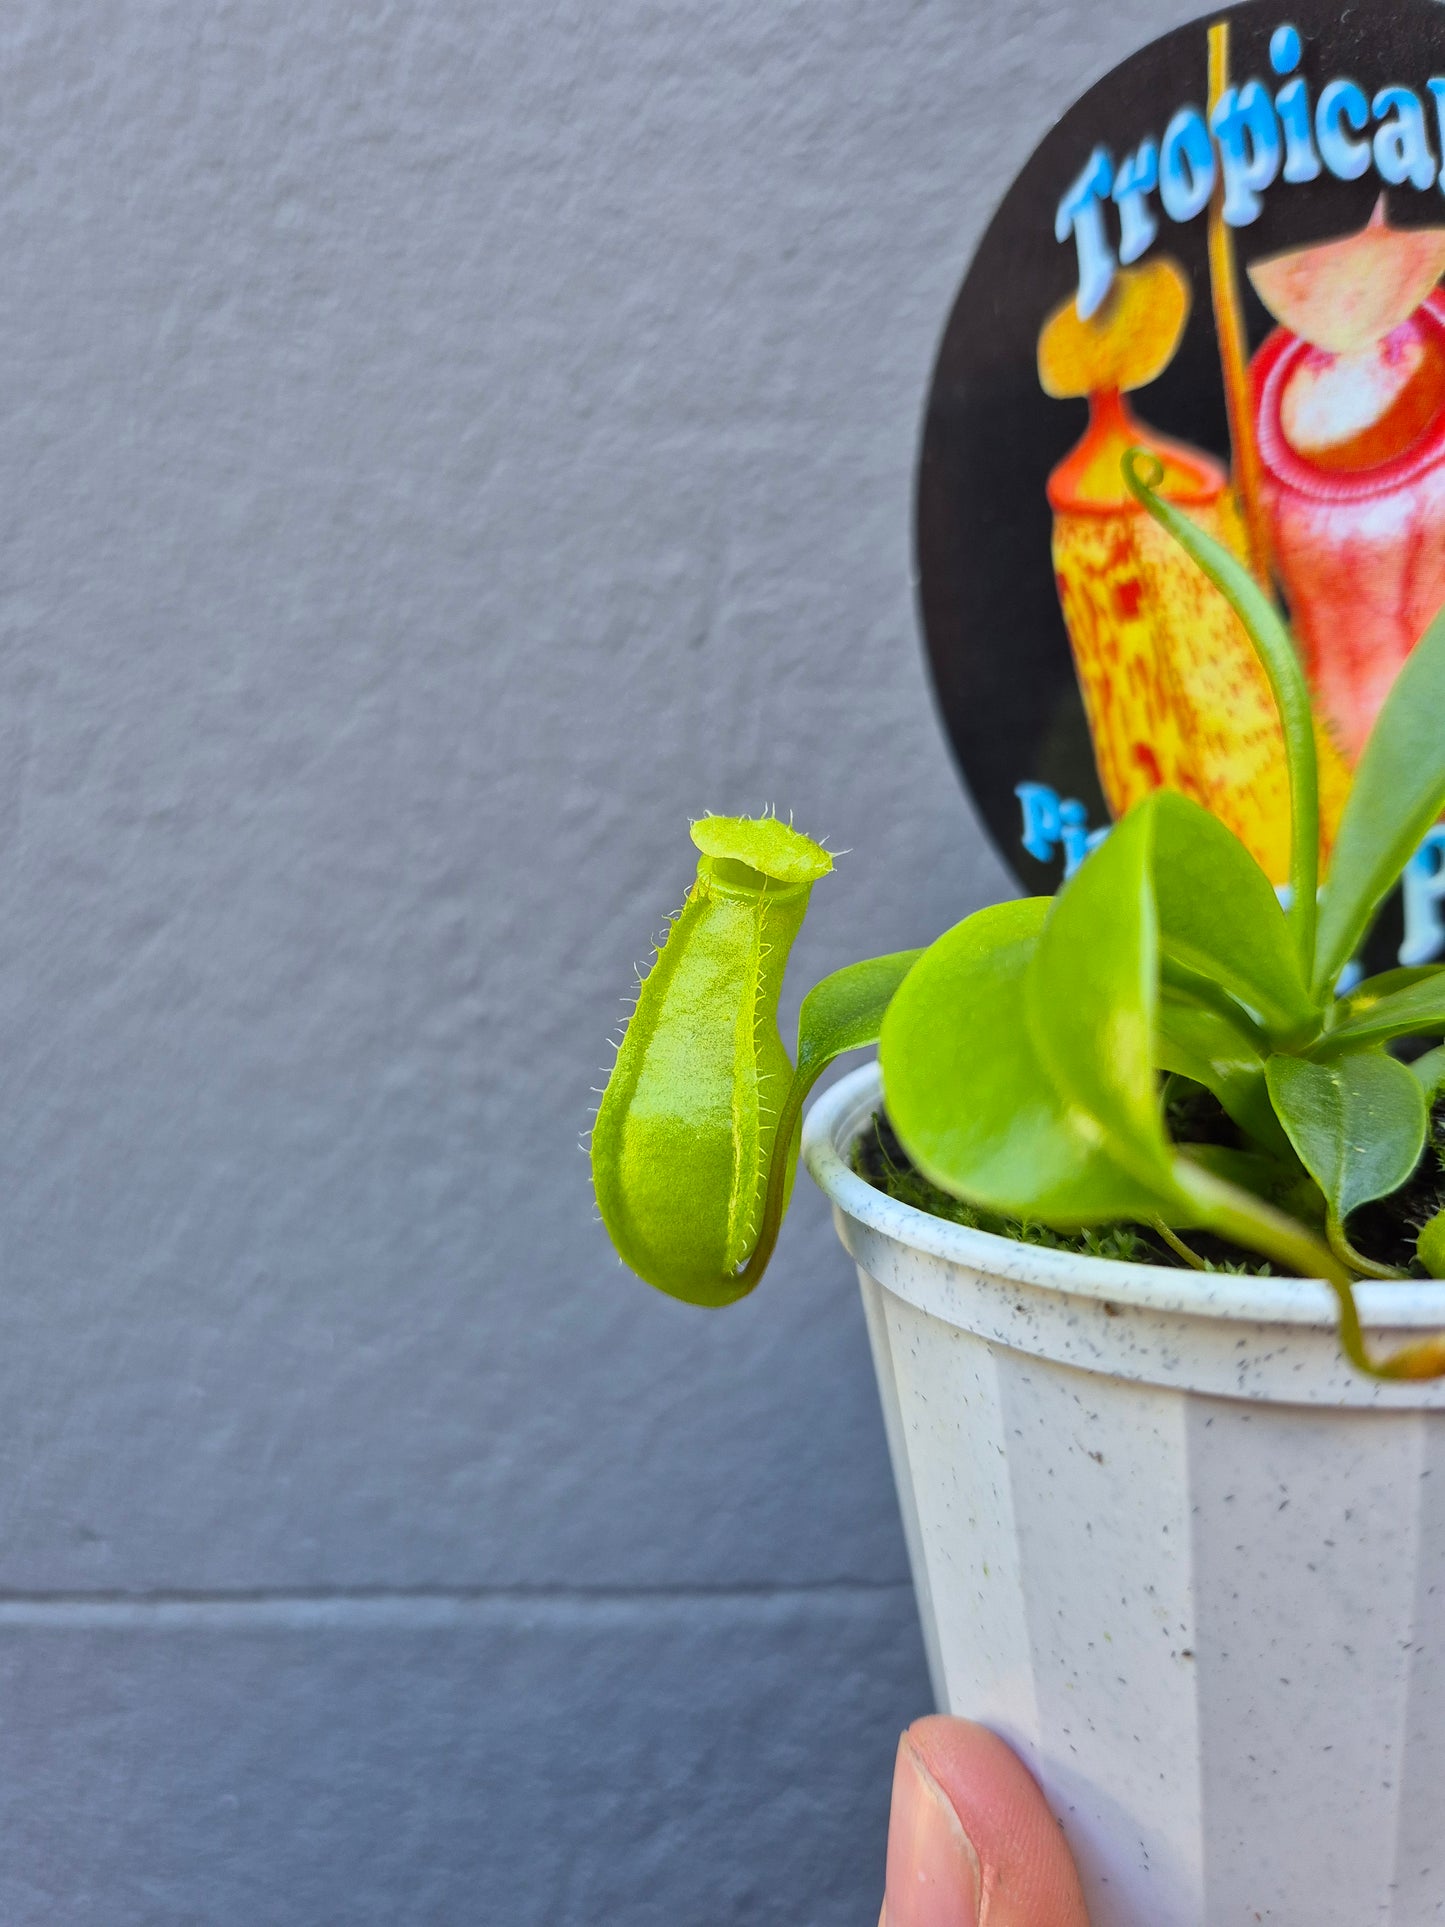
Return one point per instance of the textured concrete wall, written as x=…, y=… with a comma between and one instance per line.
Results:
x=444, y=446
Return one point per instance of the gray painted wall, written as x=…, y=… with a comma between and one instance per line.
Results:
x=446, y=445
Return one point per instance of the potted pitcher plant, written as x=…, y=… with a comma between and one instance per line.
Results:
x=1149, y=1219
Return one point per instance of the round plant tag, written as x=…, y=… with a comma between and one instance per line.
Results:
x=1227, y=255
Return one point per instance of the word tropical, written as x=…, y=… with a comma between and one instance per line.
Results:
x=1055, y=826
x=1252, y=138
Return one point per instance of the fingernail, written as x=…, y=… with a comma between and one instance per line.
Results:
x=933, y=1872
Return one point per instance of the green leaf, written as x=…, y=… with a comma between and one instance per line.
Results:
x=1414, y=1011
x=1200, y=1044
x=1091, y=997
x=1398, y=791
x=845, y=1011
x=1358, y=1124
x=1384, y=984
x=966, y=1092
x=1277, y=1182
x=1220, y=918
x=1430, y=1246
x=1429, y=1072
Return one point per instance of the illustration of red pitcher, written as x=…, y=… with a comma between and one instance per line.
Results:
x=1349, y=397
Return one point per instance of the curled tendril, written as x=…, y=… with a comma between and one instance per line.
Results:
x=1275, y=647
x=1144, y=472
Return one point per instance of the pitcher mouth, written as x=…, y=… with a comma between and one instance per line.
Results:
x=1278, y=361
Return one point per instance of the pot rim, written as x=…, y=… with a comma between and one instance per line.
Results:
x=834, y=1121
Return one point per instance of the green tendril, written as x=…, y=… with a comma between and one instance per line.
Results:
x=1273, y=644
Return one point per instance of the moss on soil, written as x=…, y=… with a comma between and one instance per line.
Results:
x=1385, y=1231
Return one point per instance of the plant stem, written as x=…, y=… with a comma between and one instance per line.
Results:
x=1356, y=1260
x=1248, y=1221
x=1177, y=1245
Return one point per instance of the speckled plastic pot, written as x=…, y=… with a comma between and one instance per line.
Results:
x=1176, y=1551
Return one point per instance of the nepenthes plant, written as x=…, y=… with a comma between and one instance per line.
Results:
x=1027, y=1055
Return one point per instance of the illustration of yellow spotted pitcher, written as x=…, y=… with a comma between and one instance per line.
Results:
x=1175, y=695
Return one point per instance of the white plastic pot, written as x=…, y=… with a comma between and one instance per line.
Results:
x=1175, y=1550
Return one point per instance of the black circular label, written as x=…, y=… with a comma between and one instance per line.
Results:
x=1227, y=252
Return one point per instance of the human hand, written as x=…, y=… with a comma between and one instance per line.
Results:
x=971, y=1841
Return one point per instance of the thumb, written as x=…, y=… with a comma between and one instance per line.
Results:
x=971, y=1838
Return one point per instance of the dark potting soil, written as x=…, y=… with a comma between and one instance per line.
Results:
x=1385, y=1231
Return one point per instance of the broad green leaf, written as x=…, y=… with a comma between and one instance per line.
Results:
x=1091, y=995
x=1358, y=1124
x=1200, y=1044
x=1430, y=1246
x=1220, y=918
x=1277, y=1182
x=1384, y=984
x=1429, y=1072
x=1398, y=791
x=1415, y=1011
x=1250, y=1170
x=1176, y=981
x=845, y=1011
x=967, y=1094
